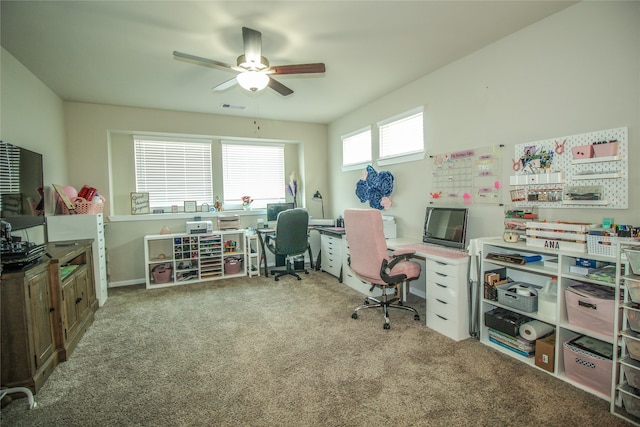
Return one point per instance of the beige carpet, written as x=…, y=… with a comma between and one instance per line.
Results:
x=254, y=352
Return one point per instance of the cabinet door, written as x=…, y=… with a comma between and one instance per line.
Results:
x=42, y=322
x=70, y=318
x=84, y=291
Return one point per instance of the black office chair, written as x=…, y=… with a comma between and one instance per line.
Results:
x=290, y=240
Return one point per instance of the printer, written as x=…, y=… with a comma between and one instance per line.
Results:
x=199, y=227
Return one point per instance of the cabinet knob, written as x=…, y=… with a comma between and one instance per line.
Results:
x=78, y=300
x=52, y=309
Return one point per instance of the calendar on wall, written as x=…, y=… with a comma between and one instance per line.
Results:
x=585, y=170
x=467, y=177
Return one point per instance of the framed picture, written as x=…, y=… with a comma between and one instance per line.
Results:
x=204, y=207
x=174, y=209
x=139, y=203
x=190, y=206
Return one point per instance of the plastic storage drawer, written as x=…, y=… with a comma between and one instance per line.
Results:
x=630, y=400
x=591, y=307
x=631, y=370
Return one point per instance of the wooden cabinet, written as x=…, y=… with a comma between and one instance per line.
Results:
x=46, y=308
x=28, y=327
x=73, y=292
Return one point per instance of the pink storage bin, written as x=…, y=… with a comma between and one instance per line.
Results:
x=582, y=151
x=232, y=266
x=162, y=273
x=605, y=150
x=589, y=312
x=587, y=368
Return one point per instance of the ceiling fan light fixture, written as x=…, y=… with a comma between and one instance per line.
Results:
x=252, y=80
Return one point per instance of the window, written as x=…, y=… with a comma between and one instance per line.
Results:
x=356, y=148
x=173, y=170
x=402, y=138
x=255, y=170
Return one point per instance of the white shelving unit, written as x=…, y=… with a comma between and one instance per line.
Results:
x=626, y=369
x=253, y=254
x=537, y=273
x=176, y=259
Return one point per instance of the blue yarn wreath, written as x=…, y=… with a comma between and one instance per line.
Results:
x=374, y=187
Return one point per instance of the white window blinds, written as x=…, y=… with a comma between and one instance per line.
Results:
x=402, y=134
x=254, y=170
x=356, y=147
x=173, y=171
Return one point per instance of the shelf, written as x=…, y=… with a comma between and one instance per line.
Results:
x=197, y=257
x=596, y=160
x=586, y=202
x=610, y=175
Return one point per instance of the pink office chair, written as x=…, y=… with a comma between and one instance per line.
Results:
x=370, y=260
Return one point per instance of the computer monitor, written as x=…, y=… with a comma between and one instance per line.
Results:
x=273, y=209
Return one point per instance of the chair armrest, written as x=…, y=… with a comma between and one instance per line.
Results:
x=402, y=252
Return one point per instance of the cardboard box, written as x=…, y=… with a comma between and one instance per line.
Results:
x=545, y=352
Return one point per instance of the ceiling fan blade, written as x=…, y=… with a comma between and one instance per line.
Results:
x=298, y=69
x=252, y=40
x=279, y=87
x=225, y=85
x=200, y=61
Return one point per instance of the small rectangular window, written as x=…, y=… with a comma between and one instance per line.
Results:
x=402, y=137
x=356, y=148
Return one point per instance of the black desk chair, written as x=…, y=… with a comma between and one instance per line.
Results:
x=290, y=240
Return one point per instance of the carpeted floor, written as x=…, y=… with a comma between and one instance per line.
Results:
x=255, y=352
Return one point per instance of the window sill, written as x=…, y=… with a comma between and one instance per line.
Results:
x=186, y=216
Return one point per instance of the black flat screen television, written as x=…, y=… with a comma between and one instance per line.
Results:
x=21, y=187
x=446, y=227
x=273, y=209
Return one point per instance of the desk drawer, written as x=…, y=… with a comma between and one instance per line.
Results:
x=442, y=306
x=442, y=268
x=442, y=292
x=446, y=324
x=442, y=279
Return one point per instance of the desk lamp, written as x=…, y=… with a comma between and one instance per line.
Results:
x=318, y=198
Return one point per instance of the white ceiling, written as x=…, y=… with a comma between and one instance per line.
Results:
x=120, y=52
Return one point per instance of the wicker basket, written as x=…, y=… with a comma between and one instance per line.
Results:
x=83, y=206
x=606, y=245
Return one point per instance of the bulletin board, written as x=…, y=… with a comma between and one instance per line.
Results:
x=584, y=170
x=467, y=177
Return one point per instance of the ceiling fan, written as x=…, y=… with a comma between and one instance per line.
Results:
x=253, y=68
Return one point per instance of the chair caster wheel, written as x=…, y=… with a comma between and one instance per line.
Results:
x=354, y=316
x=299, y=278
x=416, y=317
x=387, y=326
x=366, y=302
x=277, y=279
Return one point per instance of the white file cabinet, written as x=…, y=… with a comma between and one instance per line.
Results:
x=447, y=296
x=331, y=254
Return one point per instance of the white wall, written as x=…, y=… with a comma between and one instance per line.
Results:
x=575, y=72
x=90, y=128
x=31, y=116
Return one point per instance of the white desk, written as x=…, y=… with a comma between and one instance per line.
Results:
x=447, y=290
